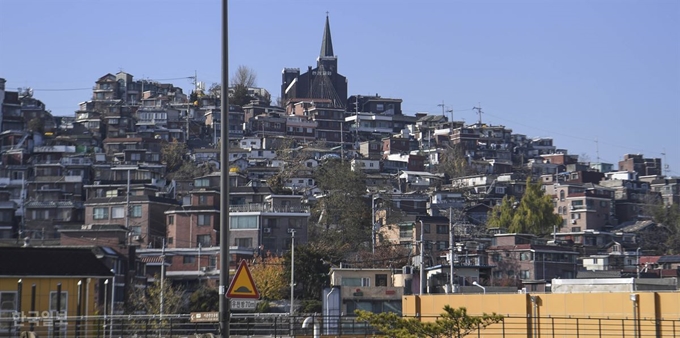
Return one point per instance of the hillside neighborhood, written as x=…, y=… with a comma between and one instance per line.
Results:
x=134, y=174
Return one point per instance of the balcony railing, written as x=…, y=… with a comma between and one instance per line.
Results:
x=259, y=207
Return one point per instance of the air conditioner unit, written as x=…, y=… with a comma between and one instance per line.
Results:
x=571, y=207
x=205, y=268
x=137, y=238
x=267, y=230
x=573, y=221
x=291, y=230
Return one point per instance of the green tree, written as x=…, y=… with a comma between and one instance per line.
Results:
x=452, y=323
x=173, y=155
x=454, y=163
x=36, y=125
x=342, y=213
x=204, y=299
x=312, y=267
x=148, y=300
x=667, y=217
x=535, y=213
x=269, y=277
x=501, y=216
x=242, y=79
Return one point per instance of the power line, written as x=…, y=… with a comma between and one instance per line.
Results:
x=574, y=137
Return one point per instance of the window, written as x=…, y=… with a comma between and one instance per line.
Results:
x=63, y=299
x=525, y=256
x=135, y=157
x=41, y=214
x=442, y=229
x=381, y=280
x=8, y=303
x=101, y=213
x=136, y=211
x=244, y=242
x=111, y=193
x=524, y=274
x=117, y=212
x=171, y=219
x=243, y=222
x=561, y=195
x=202, y=182
x=204, y=240
x=188, y=259
x=202, y=199
x=355, y=281
x=575, y=229
x=426, y=228
x=405, y=232
x=204, y=220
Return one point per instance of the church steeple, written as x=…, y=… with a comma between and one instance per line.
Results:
x=327, y=43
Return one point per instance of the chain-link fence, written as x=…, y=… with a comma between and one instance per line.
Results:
x=281, y=325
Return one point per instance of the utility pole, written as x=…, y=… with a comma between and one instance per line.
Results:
x=373, y=224
x=162, y=279
x=597, y=150
x=224, y=179
x=443, y=107
x=356, y=121
x=292, y=274
x=127, y=208
x=342, y=142
x=452, y=246
x=479, y=112
x=422, y=258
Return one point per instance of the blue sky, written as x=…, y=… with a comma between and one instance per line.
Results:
x=577, y=71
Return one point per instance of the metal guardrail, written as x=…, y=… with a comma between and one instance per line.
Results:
x=281, y=325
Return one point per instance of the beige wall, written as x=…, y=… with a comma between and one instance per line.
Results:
x=609, y=313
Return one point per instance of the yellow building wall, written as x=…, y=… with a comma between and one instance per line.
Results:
x=562, y=315
x=46, y=285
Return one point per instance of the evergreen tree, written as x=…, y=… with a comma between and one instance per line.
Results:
x=535, y=213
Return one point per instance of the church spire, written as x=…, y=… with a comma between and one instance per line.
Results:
x=327, y=43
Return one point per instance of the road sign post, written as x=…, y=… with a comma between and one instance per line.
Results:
x=243, y=286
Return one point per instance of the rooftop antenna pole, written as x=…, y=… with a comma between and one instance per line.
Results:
x=665, y=167
x=443, y=108
x=597, y=150
x=479, y=112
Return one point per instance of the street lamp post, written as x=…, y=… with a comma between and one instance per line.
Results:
x=292, y=271
x=328, y=311
x=113, y=301
x=637, y=262
x=634, y=299
x=106, y=303
x=479, y=286
x=373, y=198
x=79, y=307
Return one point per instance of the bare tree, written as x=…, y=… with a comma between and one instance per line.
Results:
x=244, y=76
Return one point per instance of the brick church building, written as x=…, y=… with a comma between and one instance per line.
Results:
x=322, y=82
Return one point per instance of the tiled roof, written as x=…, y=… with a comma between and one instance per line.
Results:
x=669, y=259
x=33, y=261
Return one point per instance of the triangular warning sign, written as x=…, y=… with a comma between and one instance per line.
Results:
x=242, y=286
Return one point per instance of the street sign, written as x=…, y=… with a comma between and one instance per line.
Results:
x=244, y=304
x=203, y=317
x=243, y=286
